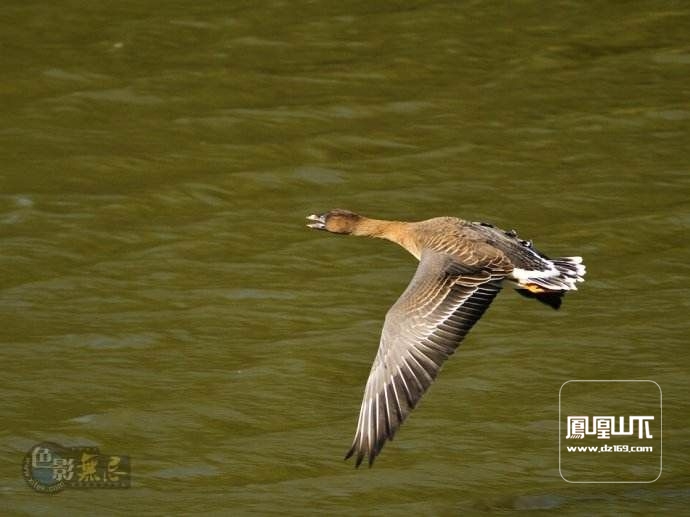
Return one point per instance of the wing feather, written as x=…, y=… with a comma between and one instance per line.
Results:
x=422, y=329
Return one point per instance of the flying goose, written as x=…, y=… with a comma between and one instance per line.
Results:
x=462, y=266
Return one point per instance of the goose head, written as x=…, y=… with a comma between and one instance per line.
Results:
x=335, y=221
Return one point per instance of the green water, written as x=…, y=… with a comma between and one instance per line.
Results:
x=161, y=298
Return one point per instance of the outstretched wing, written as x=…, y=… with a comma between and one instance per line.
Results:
x=422, y=329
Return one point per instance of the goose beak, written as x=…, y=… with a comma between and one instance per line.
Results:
x=317, y=222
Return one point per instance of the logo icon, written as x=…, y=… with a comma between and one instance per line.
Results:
x=610, y=431
x=605, y=427
x=49, y=467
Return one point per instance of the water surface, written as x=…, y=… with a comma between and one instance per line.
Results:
x=161, y=298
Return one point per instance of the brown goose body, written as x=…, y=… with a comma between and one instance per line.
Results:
x=462, y=268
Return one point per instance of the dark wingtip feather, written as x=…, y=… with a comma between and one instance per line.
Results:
x=359, y=459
